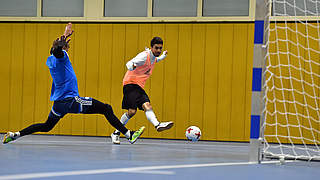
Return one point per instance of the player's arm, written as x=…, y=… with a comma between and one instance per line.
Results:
x=137, y=61
x=63, y=43
x=163, y=56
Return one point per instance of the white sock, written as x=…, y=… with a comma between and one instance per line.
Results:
x=124, y=120
x=128, y=134
x=17, y=134
x=152, y=117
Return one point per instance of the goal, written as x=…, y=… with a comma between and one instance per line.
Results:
x=291, y=80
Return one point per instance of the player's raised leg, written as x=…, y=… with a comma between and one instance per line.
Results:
x=153, y=119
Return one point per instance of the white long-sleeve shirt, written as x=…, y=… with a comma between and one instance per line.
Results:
x=141, y=59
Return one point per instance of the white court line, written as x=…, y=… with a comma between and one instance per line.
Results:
x=131, y=170
x=153, y=172
x=104, y=142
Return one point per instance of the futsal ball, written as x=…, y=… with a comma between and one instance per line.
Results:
x=193, y=133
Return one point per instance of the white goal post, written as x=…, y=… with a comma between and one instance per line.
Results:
x=289, y=97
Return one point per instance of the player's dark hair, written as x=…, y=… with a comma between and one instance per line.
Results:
x=59, y=45
x=156, y=40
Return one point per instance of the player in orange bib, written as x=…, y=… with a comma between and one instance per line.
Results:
x=139, y=70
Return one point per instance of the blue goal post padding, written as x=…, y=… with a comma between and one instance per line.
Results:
x=258, y=31
x=255, y=127
x=256, y=79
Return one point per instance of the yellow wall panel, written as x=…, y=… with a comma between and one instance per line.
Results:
x=239, y=68
x=105, y=69
x=210, y=107
x=183, y=79
x=197, y=75
x=5, y=71
x=204, y=81
x=16, y=76
x=224, y=85
x=28, y=79
x=170, y=78
x=42, y=75
x=248, y=83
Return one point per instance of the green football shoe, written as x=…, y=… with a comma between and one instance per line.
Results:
x=8, y=138
x=134, y=137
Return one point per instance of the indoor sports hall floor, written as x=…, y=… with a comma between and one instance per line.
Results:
x=74, y=157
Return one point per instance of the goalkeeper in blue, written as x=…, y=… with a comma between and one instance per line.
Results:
x=65, y=95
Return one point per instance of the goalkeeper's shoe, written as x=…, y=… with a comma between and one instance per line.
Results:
x=164, y=126
x=10, y=136
x=135, y=135
x=115, y=137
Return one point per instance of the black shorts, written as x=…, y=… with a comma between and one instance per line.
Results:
x=133, y=97
x=71, y=105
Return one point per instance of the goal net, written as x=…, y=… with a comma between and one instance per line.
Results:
x=291, y=90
